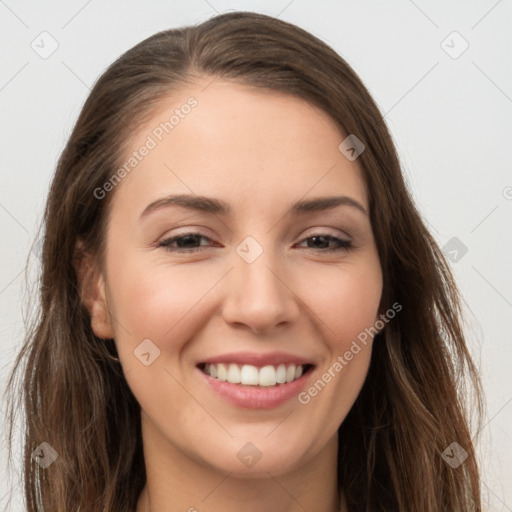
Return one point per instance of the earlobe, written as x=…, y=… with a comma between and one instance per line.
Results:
x=91, y=285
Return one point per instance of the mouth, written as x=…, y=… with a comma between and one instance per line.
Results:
x=253, y=376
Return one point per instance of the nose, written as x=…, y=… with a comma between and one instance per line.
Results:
x=259, y=296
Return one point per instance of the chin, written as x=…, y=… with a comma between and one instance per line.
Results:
x=256, y=457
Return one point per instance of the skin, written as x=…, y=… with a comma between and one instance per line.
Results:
x=260, y=152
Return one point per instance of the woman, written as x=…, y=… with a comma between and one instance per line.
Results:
x=241, y=305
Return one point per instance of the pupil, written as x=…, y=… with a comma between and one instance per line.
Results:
x=316, y=238
x=182, y=242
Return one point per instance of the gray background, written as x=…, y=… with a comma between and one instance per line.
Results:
x=450, y=114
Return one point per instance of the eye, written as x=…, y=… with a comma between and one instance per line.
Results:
x=191, y=242
x=185, y=243
x=323, y=240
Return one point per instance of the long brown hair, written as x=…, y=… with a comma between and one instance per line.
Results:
x=413, y=404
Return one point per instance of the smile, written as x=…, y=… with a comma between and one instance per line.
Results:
x=250, y=375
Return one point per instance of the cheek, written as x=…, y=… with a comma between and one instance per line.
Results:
x=166, y=304
x=152, y=300
x=346, y=301
x=347, y=309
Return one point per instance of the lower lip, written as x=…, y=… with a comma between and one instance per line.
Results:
x=255, y=397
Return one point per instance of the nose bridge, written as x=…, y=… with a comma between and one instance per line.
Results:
x=257, y=295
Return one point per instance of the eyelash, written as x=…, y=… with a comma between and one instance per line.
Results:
x=343, y=245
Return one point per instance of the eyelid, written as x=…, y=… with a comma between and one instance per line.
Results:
x=335, y=232
x=180, y=231
x=343, y=244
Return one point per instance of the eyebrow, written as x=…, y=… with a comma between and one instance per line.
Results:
x=220, y=207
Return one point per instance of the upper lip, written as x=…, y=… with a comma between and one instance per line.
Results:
x=255, y=359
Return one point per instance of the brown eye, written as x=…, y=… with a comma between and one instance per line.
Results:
x=189, y=242
x=321, y=242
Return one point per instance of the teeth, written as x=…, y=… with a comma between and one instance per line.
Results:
x=281, y=374
x=234, y=374
x=290, y=373
x=249, y=375
x=267, y=376
x=222, y=373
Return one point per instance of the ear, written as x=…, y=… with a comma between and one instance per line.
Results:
x=91, y=286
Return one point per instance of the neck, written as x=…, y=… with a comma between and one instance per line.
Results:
x=195, y=487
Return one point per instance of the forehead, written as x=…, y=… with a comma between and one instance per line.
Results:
x=223, y=139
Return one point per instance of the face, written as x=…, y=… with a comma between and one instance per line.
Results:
x=257, y=282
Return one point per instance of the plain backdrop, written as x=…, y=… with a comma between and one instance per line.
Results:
x=441, y=73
